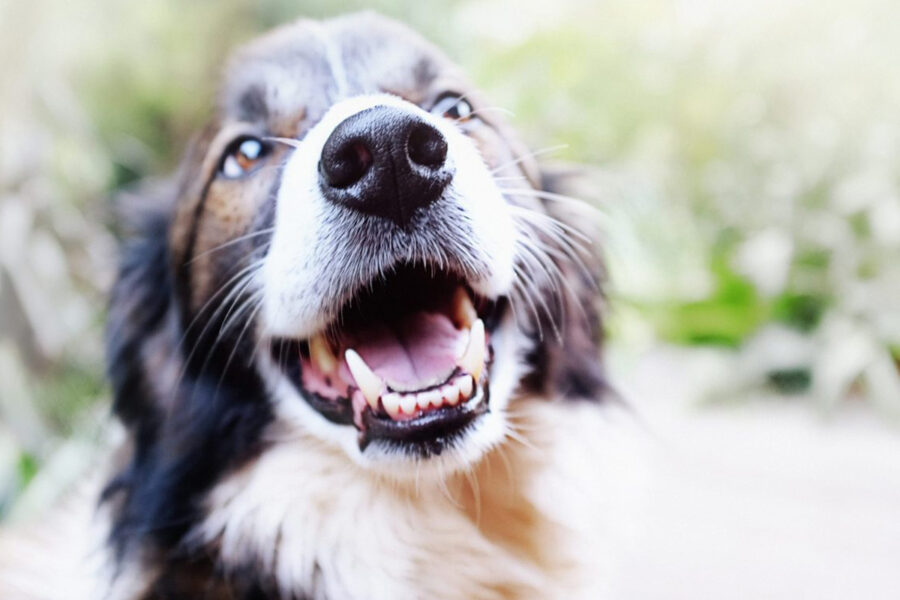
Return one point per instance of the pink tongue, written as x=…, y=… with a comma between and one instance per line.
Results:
x=415, y=352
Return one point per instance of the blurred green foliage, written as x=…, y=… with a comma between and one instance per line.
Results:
x=727, y=316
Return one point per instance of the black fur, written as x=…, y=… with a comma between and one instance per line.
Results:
x=200, y=579
x=140, y=300
x=569, y=365
x=217, y=409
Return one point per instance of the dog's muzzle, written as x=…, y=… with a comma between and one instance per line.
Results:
x=386, y=275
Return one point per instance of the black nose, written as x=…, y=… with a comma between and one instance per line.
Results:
x=385, y=162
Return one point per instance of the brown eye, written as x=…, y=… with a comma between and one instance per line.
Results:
x=242, y=156
x=453, y=106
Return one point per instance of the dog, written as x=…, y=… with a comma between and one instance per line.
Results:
x=356, y=347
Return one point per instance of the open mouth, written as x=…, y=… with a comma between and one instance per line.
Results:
x=406, y=361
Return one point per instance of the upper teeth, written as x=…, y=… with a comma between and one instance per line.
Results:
x=320, y=353
x=369, y=383
x=463, y=312
x=472, y=359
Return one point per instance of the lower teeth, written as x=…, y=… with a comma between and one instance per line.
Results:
x=460, y=389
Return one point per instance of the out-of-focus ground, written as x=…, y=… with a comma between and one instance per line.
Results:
x=757, y=500
x=745, y=160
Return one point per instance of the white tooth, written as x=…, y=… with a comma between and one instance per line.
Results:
x=368, y=382
x=463, y=311
x=450, y=394
x=431, y=397
x=472, y=359
x=466, y=385
x=408, y=403
x=321, y=355
x=391, y=402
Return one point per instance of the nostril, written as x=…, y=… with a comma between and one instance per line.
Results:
x=427, y=147
x=347, y=165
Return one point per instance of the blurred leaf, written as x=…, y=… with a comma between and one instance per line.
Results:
x=813, y=258
x=733, y=311
x=802, y=311
x=791, y=381
x=27, y=468
x=66, y=393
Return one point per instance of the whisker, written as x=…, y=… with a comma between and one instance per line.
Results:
x=560, y=275
x=553, y=222
x=543, y=303
x=232, y=314
x=520, y=278
x=283, y=140
x=518, y=437
x=232, y=297
x=520, y=178
x=485, y=109
x=240, y=279
x=476, y=493
x=229, y=243
x=550, y=269
x=571, y=249
x=572, y=201
x=212, y=298
x=262, y=342
x=237, y=343
x=565, y=252
x=524, y=157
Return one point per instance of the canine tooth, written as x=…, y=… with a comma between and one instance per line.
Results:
x=463, y=311
x=431, y=397
x=466, y=385
x=391, y=402
x=450, y=394
x=368, y=382
x=472, y=359
x=321, y=355
x=408, y=403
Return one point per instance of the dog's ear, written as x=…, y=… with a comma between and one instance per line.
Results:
x=142, y=329
x=141, y=301
x=567, y=359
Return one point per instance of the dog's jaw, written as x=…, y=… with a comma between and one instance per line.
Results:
x=296, y=415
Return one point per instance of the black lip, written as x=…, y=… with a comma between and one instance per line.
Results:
x=427, y=435
x=286, y=354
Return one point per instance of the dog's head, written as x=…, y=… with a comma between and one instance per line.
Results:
x=358, y=252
